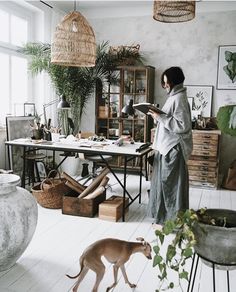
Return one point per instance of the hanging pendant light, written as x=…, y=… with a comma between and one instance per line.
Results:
x=74, y=42
x=173, y=11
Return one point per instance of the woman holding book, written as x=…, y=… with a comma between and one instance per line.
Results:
x=172, y=145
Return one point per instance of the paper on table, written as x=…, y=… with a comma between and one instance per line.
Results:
x=145, y=107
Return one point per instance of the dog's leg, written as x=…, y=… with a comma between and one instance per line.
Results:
x=122, y=267
x=115, y=272
x=82, y=274
x=99, y=269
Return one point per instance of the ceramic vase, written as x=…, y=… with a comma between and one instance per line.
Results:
x=18, y=217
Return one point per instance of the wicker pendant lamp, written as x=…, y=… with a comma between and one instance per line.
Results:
x=173, y=11
x=74, y=42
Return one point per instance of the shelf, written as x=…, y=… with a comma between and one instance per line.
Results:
x=137, y=83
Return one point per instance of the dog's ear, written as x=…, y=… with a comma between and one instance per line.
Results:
x=142, y=240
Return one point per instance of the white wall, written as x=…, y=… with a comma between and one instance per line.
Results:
x=192, y=45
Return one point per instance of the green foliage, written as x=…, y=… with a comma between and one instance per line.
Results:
x=76, y=83
x=223, y=120
x=175, y=255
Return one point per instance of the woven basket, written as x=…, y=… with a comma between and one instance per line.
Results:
x=173, y=11
x=74, y=42
x=49, y=192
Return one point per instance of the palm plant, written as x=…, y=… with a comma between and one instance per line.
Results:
x=76, y=83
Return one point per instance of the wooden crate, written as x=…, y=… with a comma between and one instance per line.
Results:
x=72, y=205
x=111, y=209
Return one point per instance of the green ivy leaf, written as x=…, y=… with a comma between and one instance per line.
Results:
x=156, y=249
x=188, y=252
x=157, y=260
x=168, y=227
x=183, y=275
x=171, y=285
x=171, y=252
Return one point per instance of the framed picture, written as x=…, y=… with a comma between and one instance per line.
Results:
x=226, y=73
x=40, y=170
x=201, y=99
x=29, y=109
x=17, y=127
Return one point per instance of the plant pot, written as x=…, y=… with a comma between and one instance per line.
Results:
x=216, y=243
x=18, y=217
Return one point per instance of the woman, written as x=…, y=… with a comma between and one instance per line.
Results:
x=169, y=191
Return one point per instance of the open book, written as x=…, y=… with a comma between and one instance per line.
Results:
x=145, y=107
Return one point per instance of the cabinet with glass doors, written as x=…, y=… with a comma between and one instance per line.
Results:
x=126, y=85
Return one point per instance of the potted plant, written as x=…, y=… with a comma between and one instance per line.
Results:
x=78, y=83
x=210, y=233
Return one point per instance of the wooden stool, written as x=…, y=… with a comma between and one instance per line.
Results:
x=32, y=168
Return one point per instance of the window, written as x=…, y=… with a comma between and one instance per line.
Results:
x=13, y=70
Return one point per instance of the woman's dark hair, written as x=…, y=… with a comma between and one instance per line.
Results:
x=174, y=76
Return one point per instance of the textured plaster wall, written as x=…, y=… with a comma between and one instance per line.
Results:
x=192, y=45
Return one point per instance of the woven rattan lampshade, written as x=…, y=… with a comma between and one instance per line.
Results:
x=173, y=11
x=74, y=42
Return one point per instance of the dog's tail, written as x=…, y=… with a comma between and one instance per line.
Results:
x=81, y=268
x=73, y=277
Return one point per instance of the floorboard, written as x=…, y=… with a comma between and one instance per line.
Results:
x=60, y=239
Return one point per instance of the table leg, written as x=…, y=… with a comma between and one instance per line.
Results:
x=24, y=170
x=124, y=189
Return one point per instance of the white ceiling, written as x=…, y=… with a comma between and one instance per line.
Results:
x=109, y=8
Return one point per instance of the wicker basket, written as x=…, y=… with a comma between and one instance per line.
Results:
x=49, y=192
x=74, y=42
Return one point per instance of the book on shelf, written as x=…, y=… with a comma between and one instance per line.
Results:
x=144, y=107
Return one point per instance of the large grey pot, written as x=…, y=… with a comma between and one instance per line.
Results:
x=215, y=243
x=18, y=217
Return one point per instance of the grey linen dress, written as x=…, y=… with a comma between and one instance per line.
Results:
x=169, y=190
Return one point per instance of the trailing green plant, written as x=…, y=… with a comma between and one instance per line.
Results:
x=181, y=248
x=76, y=83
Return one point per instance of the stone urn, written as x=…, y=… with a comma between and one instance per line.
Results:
x=217, y=243
x=18, y=217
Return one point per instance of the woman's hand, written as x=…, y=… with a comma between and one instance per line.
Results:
x=153, y=114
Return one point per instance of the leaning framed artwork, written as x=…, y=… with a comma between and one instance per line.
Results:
x=201, y=99
x=226, y=73
x=17, y=128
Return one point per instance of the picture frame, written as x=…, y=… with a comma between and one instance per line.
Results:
x=226, y=78
x=40, y=170
x=17, y=127
x=201, y=99
x=29, y=109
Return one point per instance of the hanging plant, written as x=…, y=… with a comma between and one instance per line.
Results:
x=191, y=232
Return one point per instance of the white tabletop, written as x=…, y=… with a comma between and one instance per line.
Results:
x=84, y=146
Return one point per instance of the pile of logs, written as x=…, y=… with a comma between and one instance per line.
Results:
x=96, y=188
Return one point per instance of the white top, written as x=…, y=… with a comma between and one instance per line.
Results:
x=175, y=127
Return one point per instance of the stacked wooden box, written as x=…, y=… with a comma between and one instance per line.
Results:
x=84, y=201
x=203, y=164
x=112, y=208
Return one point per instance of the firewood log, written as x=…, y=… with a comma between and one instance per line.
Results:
x=104, y=181
x=95, y=193
x=90, y=188
x=72, y=181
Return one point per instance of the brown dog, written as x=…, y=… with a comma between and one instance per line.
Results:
x=116, y=252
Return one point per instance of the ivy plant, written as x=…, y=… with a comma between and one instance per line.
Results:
x=179, y=250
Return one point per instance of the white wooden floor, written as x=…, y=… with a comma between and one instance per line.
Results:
x=60, y=239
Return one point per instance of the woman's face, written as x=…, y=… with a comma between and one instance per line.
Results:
x=166, y=84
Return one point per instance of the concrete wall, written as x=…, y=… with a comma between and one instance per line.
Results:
x=192, y=45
